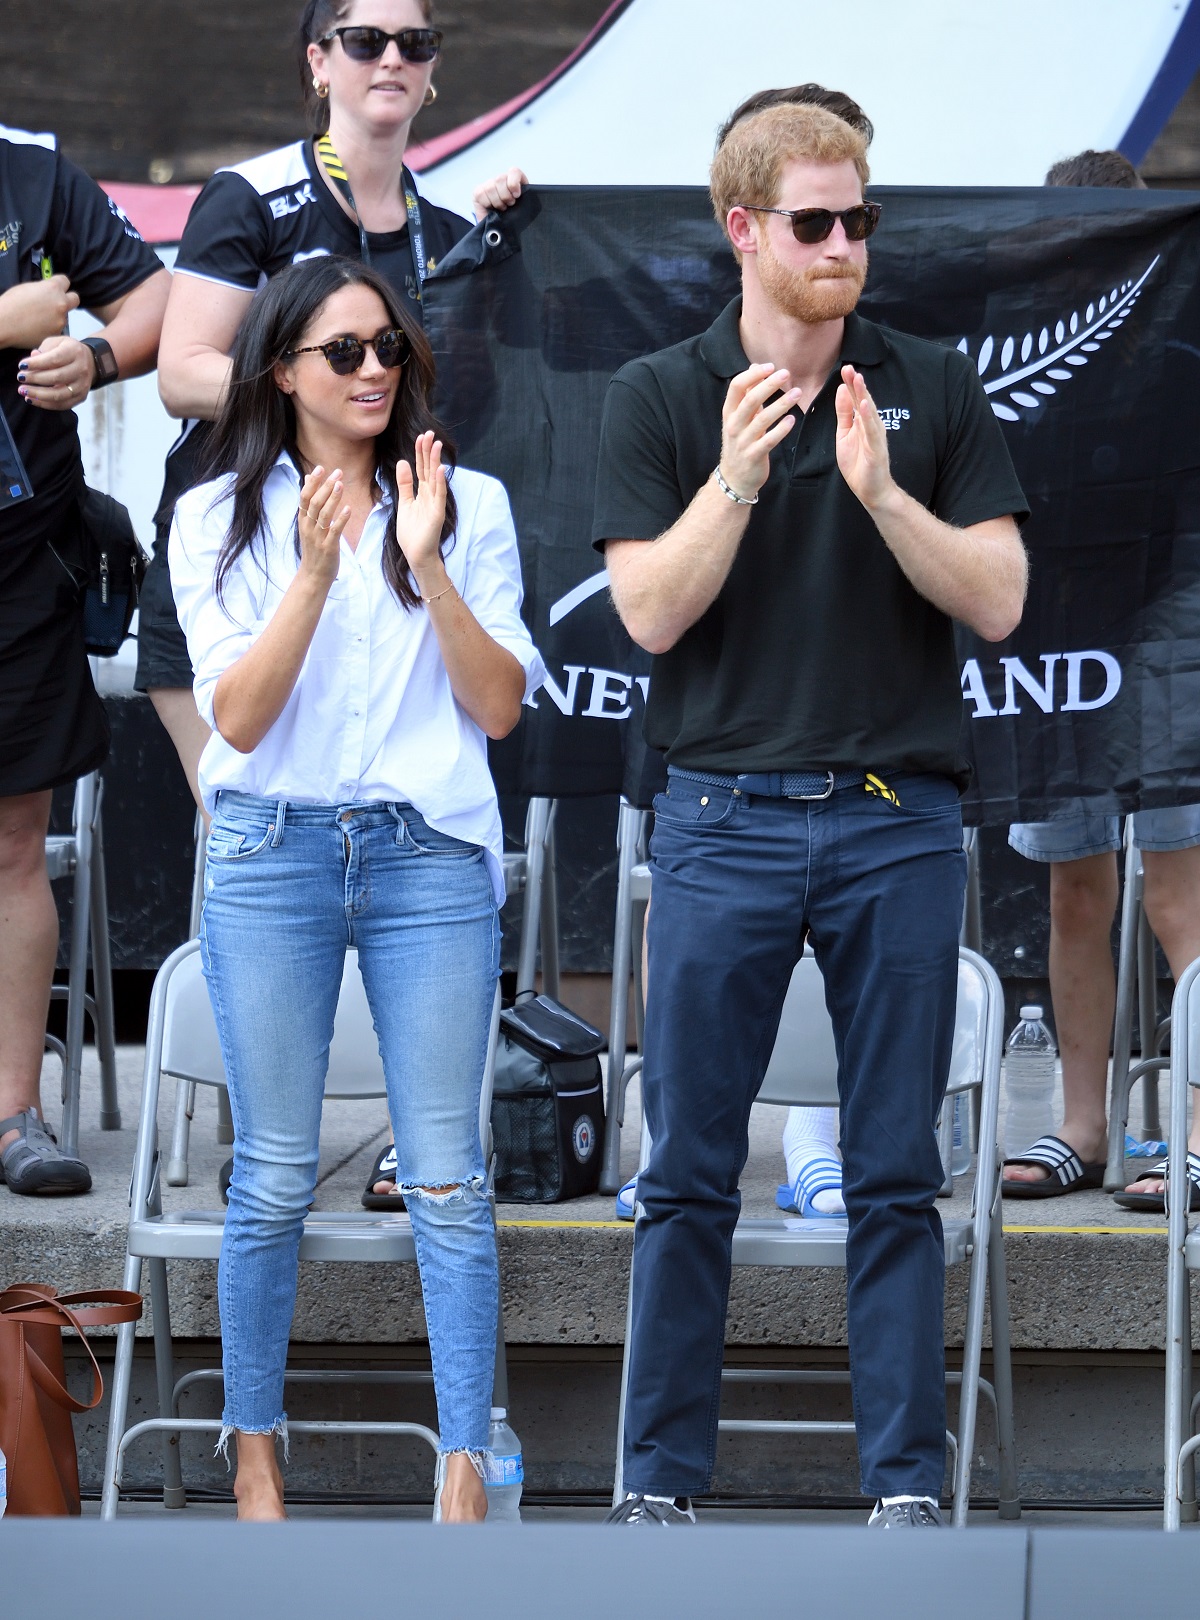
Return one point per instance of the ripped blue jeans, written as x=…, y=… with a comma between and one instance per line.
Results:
x=287, y=889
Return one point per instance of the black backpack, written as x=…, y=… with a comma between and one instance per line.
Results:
x=547, y=1104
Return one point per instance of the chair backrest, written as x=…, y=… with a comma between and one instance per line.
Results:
x=803, y=1067
x=192, y=1051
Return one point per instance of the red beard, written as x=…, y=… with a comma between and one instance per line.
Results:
x=821, y=293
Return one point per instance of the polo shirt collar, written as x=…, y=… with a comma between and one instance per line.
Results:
x=863, y=343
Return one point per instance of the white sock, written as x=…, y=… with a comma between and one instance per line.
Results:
x=810, y=1132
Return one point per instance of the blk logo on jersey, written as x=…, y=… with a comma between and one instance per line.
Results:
x=292, y=203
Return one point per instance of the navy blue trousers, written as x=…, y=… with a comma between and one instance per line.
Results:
x=738, y=881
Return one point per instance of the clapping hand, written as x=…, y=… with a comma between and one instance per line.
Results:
x=754, y=419
x=421, y=506
x=862, y=449
x=321, y=519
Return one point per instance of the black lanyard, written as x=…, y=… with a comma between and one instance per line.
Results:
x=334, y=168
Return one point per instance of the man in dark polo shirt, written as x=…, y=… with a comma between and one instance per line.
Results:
x=794, y=506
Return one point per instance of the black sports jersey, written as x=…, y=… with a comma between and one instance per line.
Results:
x=55, y=220
x=253, y=220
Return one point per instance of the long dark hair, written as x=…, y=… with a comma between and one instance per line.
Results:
x=317, y=18
x=258, y=420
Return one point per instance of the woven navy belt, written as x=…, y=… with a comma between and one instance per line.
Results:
x=778, y=784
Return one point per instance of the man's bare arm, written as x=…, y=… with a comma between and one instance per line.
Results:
x=661, y=587
x=977, y=574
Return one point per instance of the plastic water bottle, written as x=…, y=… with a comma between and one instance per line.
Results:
x=504, y=1471
x=960, y=1153
x=3, y=1484
x=1028, y=1082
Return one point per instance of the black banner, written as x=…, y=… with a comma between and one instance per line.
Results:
x=1081, y=309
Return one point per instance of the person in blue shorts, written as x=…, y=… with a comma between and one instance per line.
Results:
x=1081, y=849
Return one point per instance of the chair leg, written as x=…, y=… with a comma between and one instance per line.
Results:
x=181, y=1130
x=118, y=1401
x=1006, y=1444
x=84, y=814
x=549, y=911
x=1118, y=1104
x=1187, y=1485
x=224, y=1118
x=537, y=826
x=619, y=1470
x=968, y=1398
x=106, y=1041
x=500, y=1376
x=1147, y=1025
x=164, y=1366
x=629, y=821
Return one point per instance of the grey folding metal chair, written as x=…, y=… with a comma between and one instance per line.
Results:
x=531, y=871
x=803, y=1072
x=1182, y=1442
x=79, y=855
x=182, y=1043
x=1137, y=981
x=633, y=897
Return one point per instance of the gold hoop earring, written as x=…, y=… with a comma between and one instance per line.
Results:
x=430, y=96
x=321, y=89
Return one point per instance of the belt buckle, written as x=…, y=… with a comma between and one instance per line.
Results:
x=815, y=797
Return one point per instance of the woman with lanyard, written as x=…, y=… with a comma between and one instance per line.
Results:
x=353, y=612
x=366, y=68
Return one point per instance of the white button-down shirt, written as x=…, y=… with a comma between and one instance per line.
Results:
x=372, y=716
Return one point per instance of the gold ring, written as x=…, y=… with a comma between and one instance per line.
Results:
x=70, y=391
x=321, y=525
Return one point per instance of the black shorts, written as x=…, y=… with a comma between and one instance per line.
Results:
x=53, y=728
x=162, y=659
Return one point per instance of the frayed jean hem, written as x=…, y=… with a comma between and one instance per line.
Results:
x=477, y=1459
x=279, y=1429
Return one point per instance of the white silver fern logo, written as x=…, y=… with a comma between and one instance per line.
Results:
x=1072, y=343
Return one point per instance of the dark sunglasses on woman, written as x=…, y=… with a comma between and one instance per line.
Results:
x=811, y=225
x=369, y=44
x=346, y=354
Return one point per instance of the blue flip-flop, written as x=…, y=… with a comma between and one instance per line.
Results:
x=625, y=1200
x=821, y=1173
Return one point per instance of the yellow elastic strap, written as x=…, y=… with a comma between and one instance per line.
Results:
x=876, y=784
x=329, y=157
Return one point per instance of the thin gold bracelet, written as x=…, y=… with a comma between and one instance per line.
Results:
x=428, y=599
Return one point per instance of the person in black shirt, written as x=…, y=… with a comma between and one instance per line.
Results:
x=794, y=507
x=62, y=244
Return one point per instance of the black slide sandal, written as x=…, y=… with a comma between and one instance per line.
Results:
x=384, y=1169
x=1156, y=1203
x=1068, y=1173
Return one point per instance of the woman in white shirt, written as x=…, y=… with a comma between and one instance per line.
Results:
x=351, y=602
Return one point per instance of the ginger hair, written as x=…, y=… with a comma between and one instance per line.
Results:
x=748, y=166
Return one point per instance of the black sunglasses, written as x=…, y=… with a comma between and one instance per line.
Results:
x=811, y=225
x=345, y=355
x=369, y=44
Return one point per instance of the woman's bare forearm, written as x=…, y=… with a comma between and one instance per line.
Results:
x=252, y=693
x=486, y=679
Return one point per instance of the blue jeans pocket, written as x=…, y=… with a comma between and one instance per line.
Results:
x=231, y=843
x=695, y=804
x=414, y=832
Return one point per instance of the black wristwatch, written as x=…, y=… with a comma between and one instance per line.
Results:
x=105, y=361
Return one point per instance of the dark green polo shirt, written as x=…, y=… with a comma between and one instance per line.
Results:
x=817, y=653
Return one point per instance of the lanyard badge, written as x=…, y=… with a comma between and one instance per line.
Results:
x=335, y=169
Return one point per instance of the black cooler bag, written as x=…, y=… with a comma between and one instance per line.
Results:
x=547, y=1104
